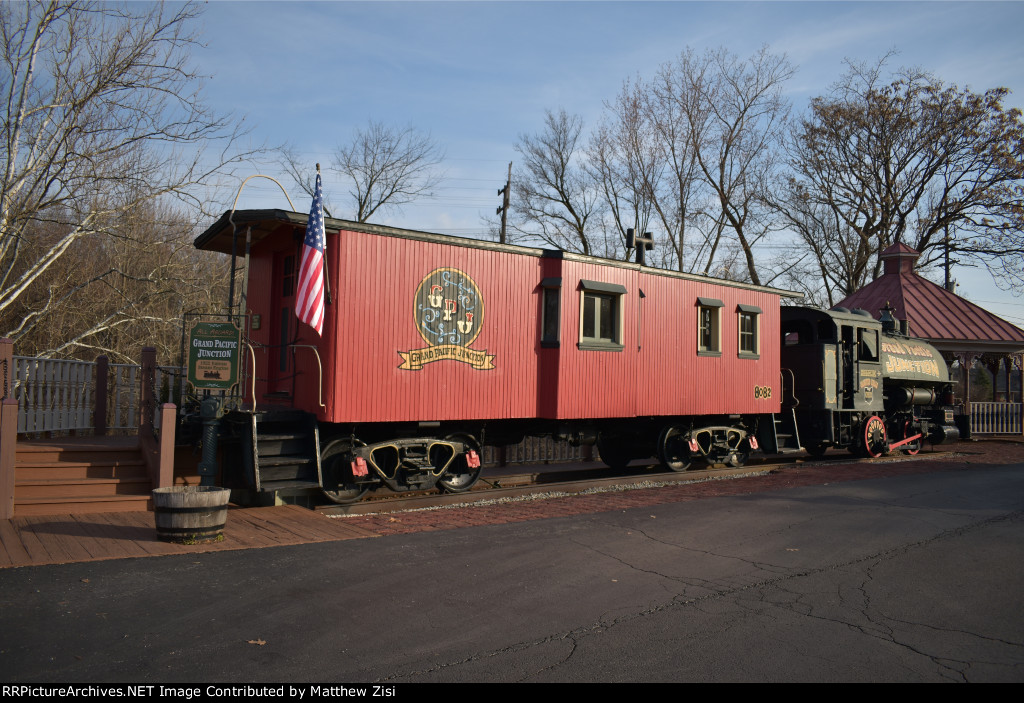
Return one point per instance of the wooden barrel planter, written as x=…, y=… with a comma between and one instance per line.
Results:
x=190, y=514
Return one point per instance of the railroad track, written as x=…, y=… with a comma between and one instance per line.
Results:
x=516, y=482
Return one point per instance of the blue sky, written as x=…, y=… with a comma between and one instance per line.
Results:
x=476, y=75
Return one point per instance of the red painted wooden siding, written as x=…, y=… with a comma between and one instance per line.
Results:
x=372, y=320
x=373, y=281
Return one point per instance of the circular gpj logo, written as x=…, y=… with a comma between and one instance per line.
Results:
x=449, y=314
x=448, y=308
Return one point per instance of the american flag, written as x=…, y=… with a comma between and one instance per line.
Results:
x=309, y=303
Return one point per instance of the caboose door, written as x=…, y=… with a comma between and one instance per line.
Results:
x=280, y=359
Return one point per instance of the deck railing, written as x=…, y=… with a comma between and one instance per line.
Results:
x=53, y=394
x=55, y=397
x=58, y=396
x=997, y=418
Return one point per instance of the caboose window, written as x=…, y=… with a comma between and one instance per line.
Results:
x=601, y=316
x=551, y=292
x=709, y=335
x=749, y=342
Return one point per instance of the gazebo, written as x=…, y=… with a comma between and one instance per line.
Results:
x=968, y=336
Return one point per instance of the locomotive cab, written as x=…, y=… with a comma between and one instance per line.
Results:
x=834, y=357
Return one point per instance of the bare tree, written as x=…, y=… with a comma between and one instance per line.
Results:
x=908, y=159
x=117, y=291
x=101, y=116
x=736, y=113
x=625, y=162
x=644, y=159
x=385, y=168
x=556, y=199
x=693, y=230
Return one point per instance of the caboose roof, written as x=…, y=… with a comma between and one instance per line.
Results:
x=264, y=223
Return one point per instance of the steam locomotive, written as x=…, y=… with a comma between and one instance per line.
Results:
x=434, y=346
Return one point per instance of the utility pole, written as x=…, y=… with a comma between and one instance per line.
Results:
x=945, y=242
x=503, y=210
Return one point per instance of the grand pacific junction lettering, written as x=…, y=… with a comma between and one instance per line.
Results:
x=899, y=361
x=214, y=348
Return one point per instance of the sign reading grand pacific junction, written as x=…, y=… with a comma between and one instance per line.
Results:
x=213, y=355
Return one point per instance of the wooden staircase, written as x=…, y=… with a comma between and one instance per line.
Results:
x=60, y=477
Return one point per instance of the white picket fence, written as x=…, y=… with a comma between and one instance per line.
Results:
x=59, y=396
x=997, y=418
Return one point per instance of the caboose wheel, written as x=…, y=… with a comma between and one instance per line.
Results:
x=740, y=456
x=874, y=440
x=339, y=483
x=817, y=449
x=460, y=477
x=673, y=449
x=611, y=453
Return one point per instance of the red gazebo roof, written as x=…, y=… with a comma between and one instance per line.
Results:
x=933, y=312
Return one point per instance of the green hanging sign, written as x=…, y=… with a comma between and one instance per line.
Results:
x=214, y=353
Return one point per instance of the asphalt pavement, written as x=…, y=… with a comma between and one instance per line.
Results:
x=914, y=577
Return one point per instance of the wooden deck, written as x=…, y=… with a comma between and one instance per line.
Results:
x=62, y=539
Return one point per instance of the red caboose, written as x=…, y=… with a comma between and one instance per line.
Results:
x=433, y=345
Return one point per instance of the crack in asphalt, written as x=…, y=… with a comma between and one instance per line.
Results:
x=576, y=635
x=883, y=630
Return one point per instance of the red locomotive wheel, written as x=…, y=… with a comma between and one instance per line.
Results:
x=914, y=447
x=875, y=443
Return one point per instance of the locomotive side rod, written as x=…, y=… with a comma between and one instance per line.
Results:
x=908, y=440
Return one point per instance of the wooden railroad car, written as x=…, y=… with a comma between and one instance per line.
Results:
x=433, y=345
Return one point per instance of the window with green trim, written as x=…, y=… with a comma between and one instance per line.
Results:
x=601, y=316
x=748, y=318
x=709, y=327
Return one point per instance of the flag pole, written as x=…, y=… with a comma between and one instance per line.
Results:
x=327, y=279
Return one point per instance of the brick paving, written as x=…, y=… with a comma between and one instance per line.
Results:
x=966, y=456
x=75, y=538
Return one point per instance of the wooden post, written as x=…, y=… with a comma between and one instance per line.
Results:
x=8, y=448
x=1018, y=362
x=168, y=416
x=6, y=368
x=147, y=394
x=99, y=413
x=968, y=364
